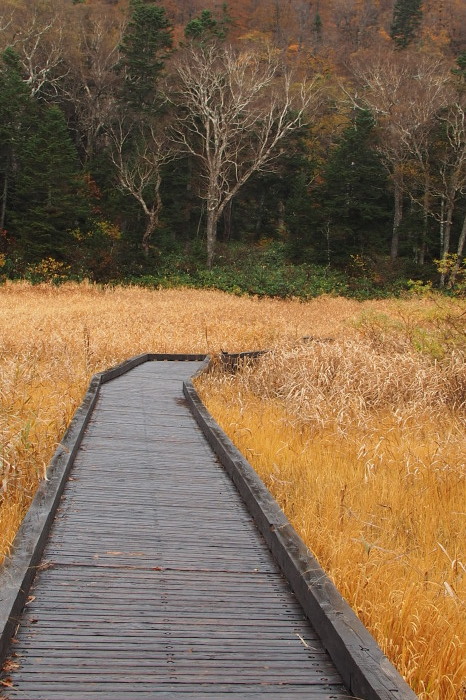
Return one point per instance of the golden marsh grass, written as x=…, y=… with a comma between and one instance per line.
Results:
x=361, y=440
x=53, y=339
x=364, y=449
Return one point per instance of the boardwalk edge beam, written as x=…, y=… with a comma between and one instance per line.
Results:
x=18, y=571
x=365, y=670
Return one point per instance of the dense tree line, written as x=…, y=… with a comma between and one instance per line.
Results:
x=141, y=137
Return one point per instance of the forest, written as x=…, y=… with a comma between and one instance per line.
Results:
x=274, y=148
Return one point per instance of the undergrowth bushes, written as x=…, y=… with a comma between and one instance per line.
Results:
x=263, y=273
x=263, y=270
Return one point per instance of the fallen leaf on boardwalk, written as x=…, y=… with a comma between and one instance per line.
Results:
x=9, y=666
x=44, y=566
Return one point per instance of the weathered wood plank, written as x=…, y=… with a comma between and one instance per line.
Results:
x=155, y=580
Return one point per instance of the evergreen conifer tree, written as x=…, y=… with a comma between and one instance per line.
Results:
x=207, y=28
x=317, y=27
x=460, y=71
x=146, y=44
x=407, y=16
x=48, y=197
x=301, y=219
x=15, y=102
x=356, y=205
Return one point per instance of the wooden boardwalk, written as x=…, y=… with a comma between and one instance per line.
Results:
x=155, y=582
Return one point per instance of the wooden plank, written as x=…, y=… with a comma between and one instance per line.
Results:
x=196, y=691
x=365, y=669
x=155, y=581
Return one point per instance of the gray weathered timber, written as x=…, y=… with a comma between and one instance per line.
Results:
x=19, y=570
x=366, y=671
x=154, y=580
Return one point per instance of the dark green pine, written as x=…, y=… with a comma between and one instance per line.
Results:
x=407, y=17
x=207, y=28
x=15, y=102
x=355, y=202
x=48, y=200
x=460, y=71
x=146, y=44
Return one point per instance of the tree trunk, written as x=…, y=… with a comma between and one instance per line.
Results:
x=259, y=216
x=212, y=220
x=447, y=229
x=459, y=256
x=152, y=215
x=446, y=237
x=425, y=226
x=187, y=205
x=227, y=220
x=281, y=228
x=442, y=224
x=398, y=216
x=152, y=223
x=4, y=198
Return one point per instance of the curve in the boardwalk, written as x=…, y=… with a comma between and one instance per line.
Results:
x=153, y=581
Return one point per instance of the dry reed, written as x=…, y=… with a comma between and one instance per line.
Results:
x=53, y=339
x=363, y=446
x=381, y=480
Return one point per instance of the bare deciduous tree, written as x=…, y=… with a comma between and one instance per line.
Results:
x=139, y=152
x=451, y=179
x=404, y=93
x=423, y=120
x=459, y=256
x=236, y=107
x=38, y=40
x=5, y=23
x=90, y=88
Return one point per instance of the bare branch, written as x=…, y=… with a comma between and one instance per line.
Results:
x=404, y=93
x=91, y=84
x=235, y=109
x=39, y=46
x=5, y=23
x=139, y=153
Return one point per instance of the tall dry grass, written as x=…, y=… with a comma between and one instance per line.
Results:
x=371, y=483
x=363, y=444
x=52, y=340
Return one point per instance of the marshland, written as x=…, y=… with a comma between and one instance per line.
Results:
x=354, y=419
